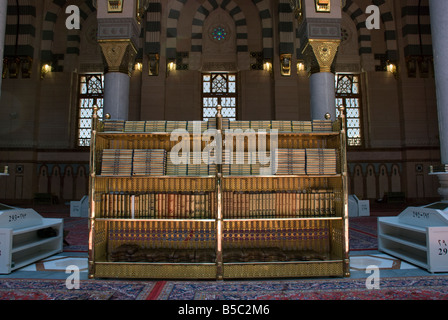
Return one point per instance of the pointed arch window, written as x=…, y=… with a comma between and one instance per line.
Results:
x=219, y=89
x=91, y=93
x=348, y=94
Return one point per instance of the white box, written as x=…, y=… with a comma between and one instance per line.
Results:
x=20, y=240
x=363, y=208
x=80, y=208
x=358, y=208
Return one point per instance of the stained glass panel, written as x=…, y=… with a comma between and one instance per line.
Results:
x=206, y=87
x=229, y=113
x=219, y=84
x=232, y=87
x=219, y=33
x=219, y=89
x=348, y=95
x=91, y=94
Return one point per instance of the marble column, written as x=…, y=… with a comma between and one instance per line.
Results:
x=322, y=95
x=118, y=36
x=319, y=29
x=322, y=87
x=119, y=56
x=3, y=12
x=439, y=28
x=116, y=95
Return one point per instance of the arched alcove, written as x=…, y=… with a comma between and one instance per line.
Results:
x=219, y=38
x=358, y=182
x=383, y=181
x=371, y=183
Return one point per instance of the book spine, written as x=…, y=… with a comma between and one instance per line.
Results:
x=104, y=205
x=193, y=206
x=171, y=205
x=187, y=205
x=182, y=205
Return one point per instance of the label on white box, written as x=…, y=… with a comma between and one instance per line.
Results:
x=438, y=249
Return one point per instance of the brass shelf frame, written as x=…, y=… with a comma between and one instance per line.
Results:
x=337, y=226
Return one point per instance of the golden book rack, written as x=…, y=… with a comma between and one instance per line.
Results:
x=149, y=220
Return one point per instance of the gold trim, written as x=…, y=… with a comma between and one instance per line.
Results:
x=114, y=6
x=345, y=190
x=218, y=234
x=323, y=6
x=285, y=64
x=119, y=55
x=325, y=51
x=283, y=270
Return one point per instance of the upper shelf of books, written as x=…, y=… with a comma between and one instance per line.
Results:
x=163, y=127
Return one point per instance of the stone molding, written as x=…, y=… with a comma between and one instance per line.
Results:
x=119, y=55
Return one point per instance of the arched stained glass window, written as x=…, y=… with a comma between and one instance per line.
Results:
x=348, y=94
x=91, y=93
x=219, y=89
x=219, y=33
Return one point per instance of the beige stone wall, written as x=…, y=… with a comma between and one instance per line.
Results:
x=38, y=116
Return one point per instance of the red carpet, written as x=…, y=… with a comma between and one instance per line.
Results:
x=40, y=289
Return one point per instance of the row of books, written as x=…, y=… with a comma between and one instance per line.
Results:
x=165, y=126
x=202, y=205
x=245, y=164
x=321, y=161
x=191, y=126
x=305, y=161
x=271, y=254
x=170, y=205
x=135, y=253
x=127, y=162
x=290, y=161
x=281, y=204
x=205, y=167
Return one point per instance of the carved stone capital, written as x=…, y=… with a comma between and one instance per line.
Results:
x=119, y=55
x=323, y=51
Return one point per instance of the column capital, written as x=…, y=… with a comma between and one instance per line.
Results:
x=118, y=54
x=324, y=52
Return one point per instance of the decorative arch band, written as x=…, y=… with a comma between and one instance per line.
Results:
x=204, y=11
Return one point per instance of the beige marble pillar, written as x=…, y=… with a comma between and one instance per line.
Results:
x=320, y=35
x=439, y=27
x=118, y=32
x=3, y=12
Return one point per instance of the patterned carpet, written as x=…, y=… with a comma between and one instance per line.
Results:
x=362, y=237
x=408, y=288
x=403, y=288
x=77, y=234
x=363, y=233
x=39, y=289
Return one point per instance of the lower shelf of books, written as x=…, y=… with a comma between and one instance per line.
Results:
x=277, y=248
x=187, y=249
x=153, y=248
